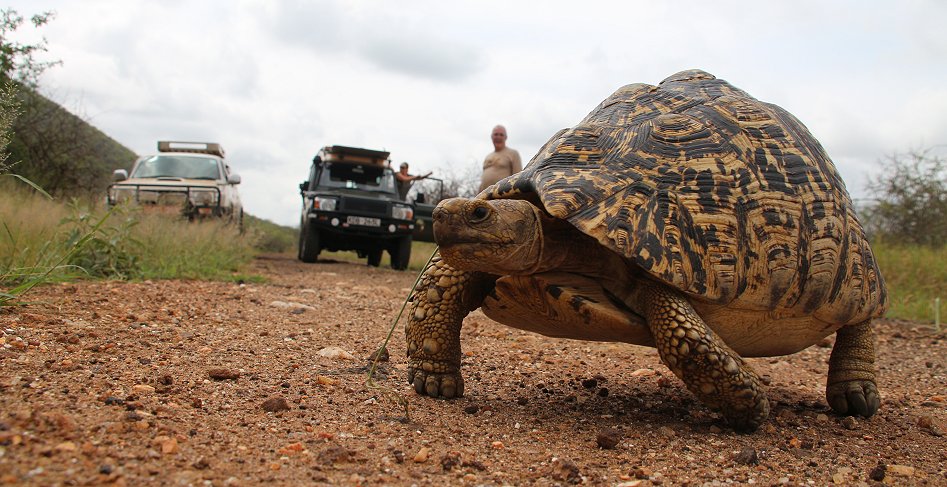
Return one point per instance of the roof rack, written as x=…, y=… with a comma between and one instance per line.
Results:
x=356, y=155
x=212, y=148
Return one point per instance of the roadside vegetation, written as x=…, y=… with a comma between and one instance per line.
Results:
x=60, y=241
x=420, y=254
x=916, y=276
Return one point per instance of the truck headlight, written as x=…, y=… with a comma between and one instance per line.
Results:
x=402, y=212
x=204, y=198
x=118, y=195
x=325, y=204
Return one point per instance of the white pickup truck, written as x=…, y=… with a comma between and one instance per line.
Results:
x=187, y=177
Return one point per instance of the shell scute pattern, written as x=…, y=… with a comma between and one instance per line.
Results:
x=726, y=198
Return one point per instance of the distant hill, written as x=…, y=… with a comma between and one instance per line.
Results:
x=61, y=152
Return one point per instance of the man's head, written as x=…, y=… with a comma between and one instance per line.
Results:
x=404, y=167
x=498, y=136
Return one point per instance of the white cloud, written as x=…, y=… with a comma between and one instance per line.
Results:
x=427, y=80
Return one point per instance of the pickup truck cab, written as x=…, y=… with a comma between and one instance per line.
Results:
x=350, y=202
x=187, y=178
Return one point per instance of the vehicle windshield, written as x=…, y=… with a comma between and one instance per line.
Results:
x=354, y=176
x=186, y=167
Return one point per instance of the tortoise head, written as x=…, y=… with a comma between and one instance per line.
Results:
x=502, y=236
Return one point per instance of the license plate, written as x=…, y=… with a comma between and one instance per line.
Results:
x=363, y=221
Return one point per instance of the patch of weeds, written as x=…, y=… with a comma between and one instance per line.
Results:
x=107, y=251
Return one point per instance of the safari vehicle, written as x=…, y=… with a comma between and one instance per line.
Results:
x=425, y=195
x=350, y=203
x=187, y=177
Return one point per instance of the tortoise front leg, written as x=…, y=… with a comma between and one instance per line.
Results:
x=707, y=366
x=442, y=299
x=851, y=387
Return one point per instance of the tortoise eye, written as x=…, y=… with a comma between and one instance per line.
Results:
x=479, y=214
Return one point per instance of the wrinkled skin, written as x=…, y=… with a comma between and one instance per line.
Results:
x=481, y=240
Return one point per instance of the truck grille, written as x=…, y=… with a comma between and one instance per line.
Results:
x=371, y=207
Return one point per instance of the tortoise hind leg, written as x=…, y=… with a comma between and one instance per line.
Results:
x=851, y=388
x=707, y=366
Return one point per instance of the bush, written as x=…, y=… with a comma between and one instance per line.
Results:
x=910, y=200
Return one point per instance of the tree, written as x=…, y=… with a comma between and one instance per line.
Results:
x=18, y=60
x=910, y=199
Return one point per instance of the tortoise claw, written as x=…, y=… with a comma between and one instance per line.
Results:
x=443, y=386
x=856, y=397
x=749, y=419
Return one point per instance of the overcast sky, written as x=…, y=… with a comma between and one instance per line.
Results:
x=275, y=80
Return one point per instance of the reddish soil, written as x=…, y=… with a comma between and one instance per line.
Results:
x=209, y=383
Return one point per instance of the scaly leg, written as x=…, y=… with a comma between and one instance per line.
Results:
x=851, y=387
x=707, y=366
x=439, y=304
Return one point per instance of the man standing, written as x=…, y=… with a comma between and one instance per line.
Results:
x=500, y=163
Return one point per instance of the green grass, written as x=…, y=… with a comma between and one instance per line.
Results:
x=270, y=237
x=38, y=234
x=172, y=249
x=30, y=235
x=916, y=276
x=420, y=253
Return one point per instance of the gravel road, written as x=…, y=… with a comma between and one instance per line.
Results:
x=209, y=383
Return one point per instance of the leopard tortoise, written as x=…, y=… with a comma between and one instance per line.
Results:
x=687, y=216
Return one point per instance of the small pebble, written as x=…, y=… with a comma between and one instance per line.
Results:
x=422, y=455
x=223, y=374
x=275, y=404
x=747, y=456
x=608, y=438
x=849, y=423
x=66, y=446
x=929, y=424
x=381, y=354
x=335, y=353
x=900, y=470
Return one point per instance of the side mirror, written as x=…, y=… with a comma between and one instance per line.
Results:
x=119, y=175
x=233, y=179
x=303, y=186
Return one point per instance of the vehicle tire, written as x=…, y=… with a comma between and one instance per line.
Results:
x=374, y=257
x=308, y=243
x=400, y=253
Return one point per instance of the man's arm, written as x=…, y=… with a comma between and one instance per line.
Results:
x=517, y=165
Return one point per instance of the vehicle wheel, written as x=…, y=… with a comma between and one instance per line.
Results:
x=400, y=253
x=374, y=257
x=308, y=243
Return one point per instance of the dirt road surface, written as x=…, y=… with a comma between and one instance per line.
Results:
x=216, y=384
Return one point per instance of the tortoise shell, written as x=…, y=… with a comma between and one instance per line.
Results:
x=726, y=198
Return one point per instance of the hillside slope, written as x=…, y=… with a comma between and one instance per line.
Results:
x=62, y=152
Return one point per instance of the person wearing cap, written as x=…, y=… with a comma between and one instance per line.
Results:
x=405, y=180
